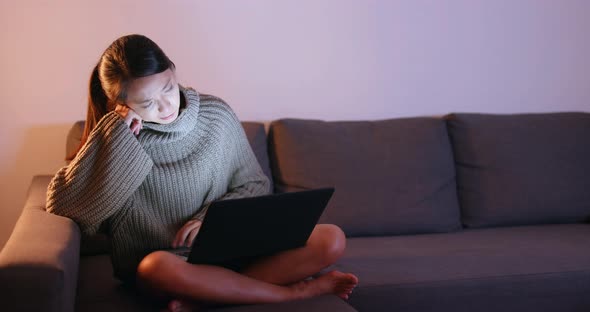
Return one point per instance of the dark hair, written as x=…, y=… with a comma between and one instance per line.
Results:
x=127, y=58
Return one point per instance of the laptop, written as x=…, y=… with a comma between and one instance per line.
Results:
x=236, y=232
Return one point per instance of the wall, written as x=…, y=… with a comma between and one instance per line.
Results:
x=327, y=59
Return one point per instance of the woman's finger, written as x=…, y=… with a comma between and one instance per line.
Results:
x=183, y=233
x=192, y=235
x=133, y=125
x=180, y=237
x=176, y=239
x=136, y=126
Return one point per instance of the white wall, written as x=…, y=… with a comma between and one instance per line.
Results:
x=327, y=59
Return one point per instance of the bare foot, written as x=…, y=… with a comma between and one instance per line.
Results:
x=182, y=306
x=334, y=282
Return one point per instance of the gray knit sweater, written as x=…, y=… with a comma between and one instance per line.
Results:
x=147, y=187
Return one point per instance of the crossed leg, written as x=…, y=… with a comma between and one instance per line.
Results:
x=325, y=246
x=273, y=279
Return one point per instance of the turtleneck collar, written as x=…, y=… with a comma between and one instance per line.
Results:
x=184, y=123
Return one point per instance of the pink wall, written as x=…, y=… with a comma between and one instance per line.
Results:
x=328, y=59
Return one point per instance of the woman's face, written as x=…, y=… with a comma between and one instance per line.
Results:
x=155, y=98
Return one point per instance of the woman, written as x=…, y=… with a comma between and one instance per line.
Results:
x=153, y=155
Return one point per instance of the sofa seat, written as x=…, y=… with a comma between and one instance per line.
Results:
x=98, y=290
x=527, y=268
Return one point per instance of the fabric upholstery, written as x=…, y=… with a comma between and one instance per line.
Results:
x=39, y=263
x=257, y=138
x=391, y=176
x=528, y=268
x=74, y=137
x=37, y=192
x=99, y=290
x=323, y=303
x=522, y=169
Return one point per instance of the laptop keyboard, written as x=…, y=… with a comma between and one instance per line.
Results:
x=181, y=252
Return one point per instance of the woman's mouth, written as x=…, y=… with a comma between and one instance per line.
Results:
x=168, y=117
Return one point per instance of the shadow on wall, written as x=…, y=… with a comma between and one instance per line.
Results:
x=41, y=151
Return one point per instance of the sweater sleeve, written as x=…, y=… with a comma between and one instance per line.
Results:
x=246, y=176
x=101, y=178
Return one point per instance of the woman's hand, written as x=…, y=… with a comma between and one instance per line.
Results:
x=132, y=119
x=187, y=233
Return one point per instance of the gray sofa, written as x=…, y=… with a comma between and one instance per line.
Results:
x=466, y=212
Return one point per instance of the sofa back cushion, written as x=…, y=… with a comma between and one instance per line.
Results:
x=391, y=176
x=257, y=137
x=522, y=169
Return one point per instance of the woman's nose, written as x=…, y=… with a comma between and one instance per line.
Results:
x=163, y=105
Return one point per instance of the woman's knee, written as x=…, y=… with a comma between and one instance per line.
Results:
x=331, y=242
x=152, y=265
x=155, y=273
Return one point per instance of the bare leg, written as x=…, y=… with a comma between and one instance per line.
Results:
x=325, y=246
x=166, y=275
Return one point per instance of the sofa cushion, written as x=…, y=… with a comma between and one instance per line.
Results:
x=527, y=268
x=522, y=169
x=316, y=304
x=257, y=138
x=391, y=176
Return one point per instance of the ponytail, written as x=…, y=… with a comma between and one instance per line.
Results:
x=97, y=108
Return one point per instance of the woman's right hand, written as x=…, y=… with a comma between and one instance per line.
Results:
x=132, y=119
x=187, y=233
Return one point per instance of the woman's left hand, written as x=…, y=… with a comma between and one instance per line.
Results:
x=186, y=234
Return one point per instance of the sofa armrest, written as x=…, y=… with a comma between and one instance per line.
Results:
x=39, y=263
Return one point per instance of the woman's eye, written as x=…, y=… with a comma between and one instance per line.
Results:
x=148, y=105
